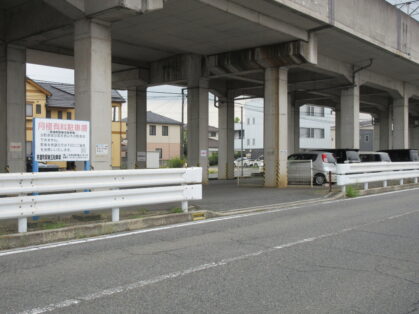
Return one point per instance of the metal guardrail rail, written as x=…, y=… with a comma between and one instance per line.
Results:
x=364, y=173
x=105, y=189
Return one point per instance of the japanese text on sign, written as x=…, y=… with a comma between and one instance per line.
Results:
x=61, y=140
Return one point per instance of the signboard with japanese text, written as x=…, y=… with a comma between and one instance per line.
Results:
x=61, y=140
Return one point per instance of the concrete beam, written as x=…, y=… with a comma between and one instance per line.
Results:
x=125, y=79
x=258, y=18
x=394, y=87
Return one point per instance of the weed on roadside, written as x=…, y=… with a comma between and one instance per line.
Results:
x=352, y=192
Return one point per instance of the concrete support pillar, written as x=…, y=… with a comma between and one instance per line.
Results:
x=296, y=128
x=93, y=78
x=291, y=121
x=376, y=135
x=12, y=109
x=276, y=127
x=226, y=138
x=401, y=123
x=349, y=119
x=338, y=126
x=137, y=127
x=384, y=130
x=197, y=117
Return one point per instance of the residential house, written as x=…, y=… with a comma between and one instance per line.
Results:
x=163, y=135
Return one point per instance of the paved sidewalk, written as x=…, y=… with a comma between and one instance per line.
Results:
x=227, y=195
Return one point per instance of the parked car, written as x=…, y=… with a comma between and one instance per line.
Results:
x=246, y=162
x=323, y=163
x=258, y=162
x=344, y=155
x=402, y=154
x=374, y=157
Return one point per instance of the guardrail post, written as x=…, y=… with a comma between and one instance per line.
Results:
x=344, y=190
x=22, y=224
x=401, y=181
x=366, y=186
x=415, y=180
x=115, y=214
x=385, y=184
x=185, y=206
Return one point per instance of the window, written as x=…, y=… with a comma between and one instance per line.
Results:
x=115, y=114
x=160, y=150
x=213, y=134
x=367, y=138
x=321, y=111
x=68, y=115
x=310, y=111
x=60, y=115
x=38, y=109
x=152, y=130
x=165, y=130
x=48, y=114
x=311, y=133
x=248, y=121
x=29, y=110
x=248, y=142
x=254, y=120
x=254, y=142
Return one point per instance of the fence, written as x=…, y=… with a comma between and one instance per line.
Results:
x=365, y=173
x=300, y=172
x=105, y=189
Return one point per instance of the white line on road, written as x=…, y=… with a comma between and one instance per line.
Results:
x=186, y=224
x=179, y=274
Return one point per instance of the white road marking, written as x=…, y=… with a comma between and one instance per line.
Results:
x=191, y=223
x=179, y=274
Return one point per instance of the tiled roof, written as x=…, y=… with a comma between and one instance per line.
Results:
x=63, y=94
x=153, y=117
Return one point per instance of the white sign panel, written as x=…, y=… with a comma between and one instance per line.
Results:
x=102, y=149
x=61, y=140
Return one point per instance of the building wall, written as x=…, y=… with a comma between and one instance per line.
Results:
x=312, y=121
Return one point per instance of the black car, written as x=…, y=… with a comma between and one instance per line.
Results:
x=43, y=167
x=344, y=155
x=402, y=154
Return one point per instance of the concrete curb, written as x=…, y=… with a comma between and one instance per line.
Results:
x=34, y=238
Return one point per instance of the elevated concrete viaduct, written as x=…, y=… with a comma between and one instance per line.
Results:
x=353, y=55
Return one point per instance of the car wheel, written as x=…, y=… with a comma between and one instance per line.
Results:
x=319, y=179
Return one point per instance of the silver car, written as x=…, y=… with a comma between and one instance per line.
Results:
x=322, y=163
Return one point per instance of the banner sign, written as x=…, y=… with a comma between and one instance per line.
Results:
x=61, y=140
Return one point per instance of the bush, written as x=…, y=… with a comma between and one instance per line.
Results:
x=175, y=162
x=351, y=192
x=213, y=159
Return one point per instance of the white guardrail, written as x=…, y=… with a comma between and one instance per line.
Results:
x=94, y=190
x=364, y=173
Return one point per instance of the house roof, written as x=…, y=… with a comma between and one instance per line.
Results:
x=153, y=117
x=62, y=94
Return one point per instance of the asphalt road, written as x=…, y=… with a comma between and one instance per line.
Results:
x=355, y=256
